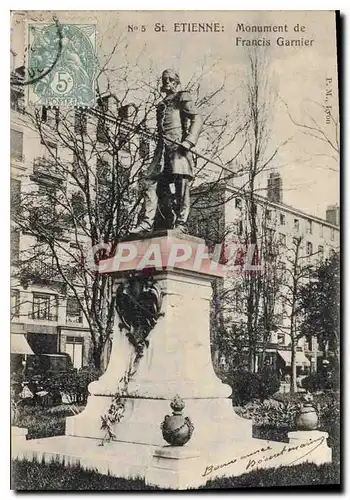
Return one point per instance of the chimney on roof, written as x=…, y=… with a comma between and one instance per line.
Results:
x=274, y=187
x=332, y=214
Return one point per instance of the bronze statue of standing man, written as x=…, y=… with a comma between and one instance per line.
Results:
x=167, y=193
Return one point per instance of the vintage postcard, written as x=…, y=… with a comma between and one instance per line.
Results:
x=174, y=250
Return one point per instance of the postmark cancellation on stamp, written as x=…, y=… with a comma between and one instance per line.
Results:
x=61, y=64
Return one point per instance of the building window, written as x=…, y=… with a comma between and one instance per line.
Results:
x=103, y=104
x=74, y=348
x=102, y=132
x=74, y=312
x=309, y=226
x=270, y=244
x=44, y=307
x=308, y=248
x=50, y=191
x=78, y=170
x=80, y=122
x=332, y=234
x=50, y=151
x=124, y=141
x=240, y=227
x=17, y=100
x=15, y=241
x=78, y=207
x=310, y=344
x=270, y=234
x=17, y=145
x=281, y=340
x=282, y=239
x=296, y=224
x=15, y=196
x=282, y=219
x=50, y=116
x=321, y=251
x=103, y=171
x=144, y=147
x=238, y=203
x=15, y=303
x=127, y=112
x=268, y=214
x=321, y=230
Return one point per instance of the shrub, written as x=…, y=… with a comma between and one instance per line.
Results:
x=321, y=380
x=73, y=384
x=247, y=386
x=280, y=413
x=270, y=413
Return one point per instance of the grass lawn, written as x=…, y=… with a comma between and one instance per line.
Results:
x=39, y=476
x=46, y=422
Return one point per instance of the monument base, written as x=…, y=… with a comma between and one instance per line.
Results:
x=176, y=467
x=175, y=363
x=214, y=419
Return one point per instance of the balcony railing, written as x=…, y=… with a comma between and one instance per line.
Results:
x=42, y=316
x=42, y=271
x=46, y=167
x=74, y=319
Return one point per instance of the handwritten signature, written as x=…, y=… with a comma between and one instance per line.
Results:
x=252, y=462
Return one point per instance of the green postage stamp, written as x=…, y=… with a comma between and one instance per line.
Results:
x=61, y=64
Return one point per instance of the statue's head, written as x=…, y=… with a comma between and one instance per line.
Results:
x=170, y=81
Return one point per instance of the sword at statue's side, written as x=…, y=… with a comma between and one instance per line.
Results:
x=154, y=135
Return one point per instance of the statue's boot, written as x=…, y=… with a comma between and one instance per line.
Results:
x=144, y=227
x=182, y=193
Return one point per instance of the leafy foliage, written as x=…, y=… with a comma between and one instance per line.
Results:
x=73, y=384
x=320, y=304
x=248, y=386
x=270, y=413
x=321, y=381
x=280, y=412
x=114, y=414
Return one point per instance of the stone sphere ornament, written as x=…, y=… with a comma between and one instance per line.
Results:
x=176, y=428
x=307, y=418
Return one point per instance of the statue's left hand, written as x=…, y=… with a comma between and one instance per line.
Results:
x=185, y=146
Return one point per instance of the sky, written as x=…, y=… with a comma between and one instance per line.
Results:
x=298, y=75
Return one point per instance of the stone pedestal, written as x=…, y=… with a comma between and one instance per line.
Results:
x=176, y=361
x=18, y=435
x=318, y=440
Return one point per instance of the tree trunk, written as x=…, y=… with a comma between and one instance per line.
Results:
x=97, y=357
x=293, y=378
x=250, y=330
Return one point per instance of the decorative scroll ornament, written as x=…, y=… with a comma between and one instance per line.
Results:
x=138, y=303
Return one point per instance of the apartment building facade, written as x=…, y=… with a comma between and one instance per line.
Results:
x=279, y=227
x=46, y=317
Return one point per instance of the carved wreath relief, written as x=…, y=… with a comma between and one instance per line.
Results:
x=138, y=303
